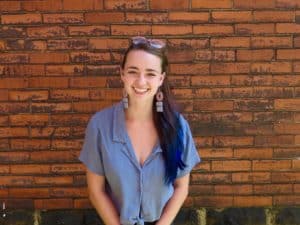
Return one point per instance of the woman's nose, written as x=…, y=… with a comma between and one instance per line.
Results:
x=141, y=79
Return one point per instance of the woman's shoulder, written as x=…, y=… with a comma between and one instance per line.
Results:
x=104, y=115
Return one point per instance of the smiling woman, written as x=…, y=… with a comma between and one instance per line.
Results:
x=140, y=151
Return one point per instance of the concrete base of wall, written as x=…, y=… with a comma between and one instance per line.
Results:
x=201, y=216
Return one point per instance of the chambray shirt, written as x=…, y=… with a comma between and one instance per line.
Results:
x=138, y=191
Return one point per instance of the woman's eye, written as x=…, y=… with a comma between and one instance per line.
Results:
x=151, y=74
x=132, y=72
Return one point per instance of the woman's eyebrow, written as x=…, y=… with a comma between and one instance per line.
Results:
x=151, y=70
x=132, y=67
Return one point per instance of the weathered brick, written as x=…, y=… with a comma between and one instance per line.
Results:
x=253, y=153
x=255, y=55
x=89, y=30
x=124, y=4
x=56, y=156
x=233, y=141
x=48, y=82
x=48, y=5
x=287, y=3
x=91, y=106
x=231, y=16
x=12, y=32
x=189, y=68
x=244, y=29
x=30, y=144
x=230, y=42
x=273, y=16
x=13, y=58
x=287, y=28
x=230, y=68
x=30, y=169
x=14, y=157
x=65, y=70
x=104, y=17
x=75, y=94
x=271, y=42
x=108, y=43
x=29, y=119
x=137, y=30
x=50, y=107
x=271, y=67
x=13, y=132
x=210, y=80
x=67, y=168
x=231, y=165
x=214, y=201
x=7, y=6
x=46, y=32
x=63, y=18
x=271, y=165
x=147, y=17
x=53, y=203
x=50, y=132
x=171, y=29
x=243, y=201
x=28, y=95
x=274, y=141
x=287, y=104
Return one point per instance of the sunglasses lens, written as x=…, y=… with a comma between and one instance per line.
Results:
x=155, y=43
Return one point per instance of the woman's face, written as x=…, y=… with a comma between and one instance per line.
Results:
x=142, y=75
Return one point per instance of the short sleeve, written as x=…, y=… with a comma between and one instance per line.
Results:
x=90, y=154
x=190, y=156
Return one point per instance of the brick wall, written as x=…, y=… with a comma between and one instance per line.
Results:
x=234, y=67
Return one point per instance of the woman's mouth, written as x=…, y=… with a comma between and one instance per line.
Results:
x=140, y=90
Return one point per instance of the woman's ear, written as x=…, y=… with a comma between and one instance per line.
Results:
x=163, y=75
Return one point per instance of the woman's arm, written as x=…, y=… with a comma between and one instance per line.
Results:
x=100, y=200
x=181, y=189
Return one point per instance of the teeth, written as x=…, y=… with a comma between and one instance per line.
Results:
x=140, y=90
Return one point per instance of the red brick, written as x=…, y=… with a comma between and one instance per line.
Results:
x=271, y=67
x=14, y=157
x=176, y=4
x=287, y=104
x=69, y=94
x=289, y=54
x=262, y=28
x=104, y=17
x=23, y=70
x=53, y=181
x=86, y=82
x=171, y=29
x=30, y=169
x=230, y=68
x=13, y=83
x=2, y=45
x=210, y=81
x=285, y=177
x=178, y=55
x=286, y=200
x=64, y=70
x=50, y=132
x=14, y=107
x=138, y=30
x=271, y=165
x=69, y=120
x=273, y=16
x=49, y=57
x=28, y=95
x=207, y=4
x=231, y=165
x=273, y=189
x=29, y=119
x=224, y=117
x=188, y=43
x=189, y=68
x=271, y=42
x=254, y=4
x=108, y=43
x=231, y=16
x=230, y=42
x=7, y=6
x=35, y=45
x=214, y=201
x=91, y=106
x=296, y=164
x=90, y=57
x=67, y=168
x=242, y=189
x=3, y=193
x=287, y=128
x=82, y=5
x=48, y=82
x=66, y=144
x=189, y=16
x=287, y=28
x=3, y=120
x=21, y=19
x=208, y=178
x=233, y=141
x=287, y=3
x=63, y=18
x=30, y=144
x=13, y=58
x=46, y=32
x=106, y=94
x=82, y=204
x=89, y=30
x=17, y=181
x=274, y=141
x=125, y=4
x=4, y=144
x=50, y=107
x=255, y=55
x=146, y=17
x=246, y=201
x=54, y=156
x=29, y=192
x=3, y=95
x=213, y=29
x=253, y=153
x=296, y=67
x=8, y=132
x=53, y=203
x=68, y=192
x=213, y=105
x=286, y=152
x=46, y=5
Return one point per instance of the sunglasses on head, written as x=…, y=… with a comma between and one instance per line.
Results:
x=154, y=43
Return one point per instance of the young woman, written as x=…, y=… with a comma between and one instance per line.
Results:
x=140, y=151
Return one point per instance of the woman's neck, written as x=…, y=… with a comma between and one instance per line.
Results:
x=139, y=112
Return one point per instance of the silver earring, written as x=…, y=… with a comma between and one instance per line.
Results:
x=125, y=99
x=159, y=101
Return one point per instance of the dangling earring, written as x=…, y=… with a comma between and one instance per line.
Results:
x=125, y=99
x=159, y=101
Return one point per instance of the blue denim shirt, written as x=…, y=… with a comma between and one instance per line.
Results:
x=138, y=192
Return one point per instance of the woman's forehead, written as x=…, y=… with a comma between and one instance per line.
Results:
x=143, y=60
